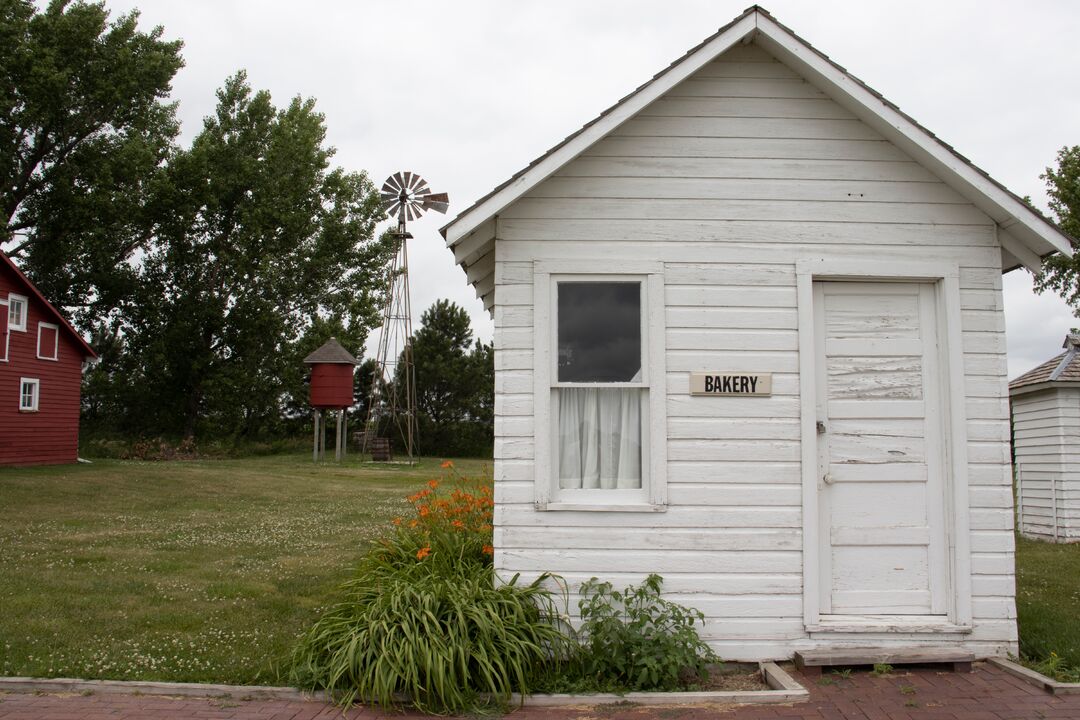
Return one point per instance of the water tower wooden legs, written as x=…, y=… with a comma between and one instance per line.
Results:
x=318, y=452
x=337, y=449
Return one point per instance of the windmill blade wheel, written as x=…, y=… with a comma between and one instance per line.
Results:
x=406, y=196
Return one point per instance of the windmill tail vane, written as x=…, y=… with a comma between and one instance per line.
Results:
x=405, y=196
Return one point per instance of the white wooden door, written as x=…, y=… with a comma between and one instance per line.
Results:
x=880, y=449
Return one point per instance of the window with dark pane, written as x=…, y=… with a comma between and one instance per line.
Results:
x=599, y=331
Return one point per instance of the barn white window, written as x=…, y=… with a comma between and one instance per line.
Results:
x=28, y=394
x=17, y=312
x=600, y=392
x=3, y=330
x=48, y=341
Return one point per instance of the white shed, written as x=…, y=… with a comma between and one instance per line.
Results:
x=749, y=336
x=1046, y=446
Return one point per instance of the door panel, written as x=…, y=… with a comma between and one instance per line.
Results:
x=880, y=460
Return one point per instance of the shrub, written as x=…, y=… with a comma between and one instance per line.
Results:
x=636, y=640
x=1055, y=666
x=425, y=619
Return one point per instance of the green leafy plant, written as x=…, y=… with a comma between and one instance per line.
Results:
x=637, y=640
x=425, y=619
x=882, y=669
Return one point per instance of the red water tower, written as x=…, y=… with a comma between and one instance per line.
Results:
x=331, y=389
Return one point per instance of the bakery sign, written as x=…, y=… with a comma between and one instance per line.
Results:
x=728, y=383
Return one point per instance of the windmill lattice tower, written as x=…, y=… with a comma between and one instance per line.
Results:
x=392, y=400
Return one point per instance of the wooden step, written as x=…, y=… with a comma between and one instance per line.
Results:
x=810, y=662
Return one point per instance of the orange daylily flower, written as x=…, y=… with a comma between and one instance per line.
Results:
x=433, y=484
x=446, y=465
x=489, y=550
x=423, y=552
x=458, y=524
x=397, y=521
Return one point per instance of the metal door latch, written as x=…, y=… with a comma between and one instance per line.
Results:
x=820, y=427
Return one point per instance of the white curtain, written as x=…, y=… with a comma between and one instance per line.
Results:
x=599, y=438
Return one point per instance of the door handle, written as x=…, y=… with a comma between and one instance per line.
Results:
x=827, y=478
x=820, y=427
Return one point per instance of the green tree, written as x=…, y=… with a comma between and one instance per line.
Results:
x=260, y=253
x=1062, y=274
x=454, y=397
x=84, y=130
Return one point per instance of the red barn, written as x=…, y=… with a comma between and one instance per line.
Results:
x=41, y=358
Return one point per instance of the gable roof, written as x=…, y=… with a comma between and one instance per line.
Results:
x=331, y=353
x=1025, y=234
x=57, y=315
x=1064, y=368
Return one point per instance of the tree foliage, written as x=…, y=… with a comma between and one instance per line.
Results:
x=1062, y=274
x=455, y=384
x=84, y=132
x=261, y=251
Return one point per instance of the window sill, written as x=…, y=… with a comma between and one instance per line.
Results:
x=602, y=507
x=29, y=412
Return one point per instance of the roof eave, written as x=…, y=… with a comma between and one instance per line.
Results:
x=1043, y=385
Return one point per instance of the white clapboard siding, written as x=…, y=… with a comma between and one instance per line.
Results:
x=731, y=148
x=747, y=167
x=705, y=86
x=1046, y=442
x=806, y=108
x=727, y=180
x=640, y=539
x=687, y=585
x=751, y=243
x=846, y=191
x=750, y=127
x=598, y=235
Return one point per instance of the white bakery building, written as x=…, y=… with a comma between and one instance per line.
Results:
x=749, y=336
x=1046, y=446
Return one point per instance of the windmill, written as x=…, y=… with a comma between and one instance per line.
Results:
x=392, y=401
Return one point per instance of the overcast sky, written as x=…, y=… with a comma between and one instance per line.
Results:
x=467, y=92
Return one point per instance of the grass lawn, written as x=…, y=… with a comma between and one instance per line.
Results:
x=209, y=570
x=187, y=571
x=1048, y=600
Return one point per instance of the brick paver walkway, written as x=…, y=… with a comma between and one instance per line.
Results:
x=925, y=694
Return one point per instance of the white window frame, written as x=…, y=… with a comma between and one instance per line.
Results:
x=56, y=341
x=4, y=343
x=37, y=394
x=652, y=497
x=946, y=277
x=21, y=325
